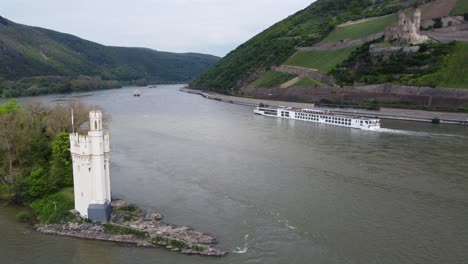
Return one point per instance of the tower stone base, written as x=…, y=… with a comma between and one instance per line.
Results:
x=99, y=212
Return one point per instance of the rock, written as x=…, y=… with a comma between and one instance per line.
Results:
x=116, y=204
x=157, y=232
x=156, y=217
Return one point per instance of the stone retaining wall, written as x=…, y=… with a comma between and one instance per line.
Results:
x=376, y=50
x=383, y=92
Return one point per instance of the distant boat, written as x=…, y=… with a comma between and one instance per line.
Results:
x=136, y=93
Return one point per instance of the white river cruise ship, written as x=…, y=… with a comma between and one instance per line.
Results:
x=319, y=116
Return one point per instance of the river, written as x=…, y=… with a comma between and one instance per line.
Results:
x=271, y=190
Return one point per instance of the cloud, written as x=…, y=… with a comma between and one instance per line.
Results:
x=208, y=26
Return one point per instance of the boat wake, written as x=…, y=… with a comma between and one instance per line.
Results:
x=285, y=222
x=416, y=133
x=242, y=250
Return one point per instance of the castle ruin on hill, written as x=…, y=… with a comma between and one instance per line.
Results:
x=408, y=29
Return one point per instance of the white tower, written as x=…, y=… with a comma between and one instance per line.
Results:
x=90, y=156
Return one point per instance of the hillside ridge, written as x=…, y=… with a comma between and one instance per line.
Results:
x=36, y=60
x=376, y=42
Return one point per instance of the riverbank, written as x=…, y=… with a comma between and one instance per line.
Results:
x=132, y=225
x=383, y=113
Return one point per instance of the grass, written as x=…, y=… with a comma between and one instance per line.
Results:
x=198, y=247
x=123, y=230
x=24, y=216
x=461, y=7
x=361, y=29
x=307, y=82
x=454, y=70
x=54, y=208
x=272, y=79
x=158, y=239
x=322, y=60
x=130, y=208
x=68, y=193
x=178, y=244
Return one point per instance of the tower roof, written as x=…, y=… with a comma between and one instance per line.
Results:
x=95, y=114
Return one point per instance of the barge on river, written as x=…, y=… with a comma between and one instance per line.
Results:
x=319, y=116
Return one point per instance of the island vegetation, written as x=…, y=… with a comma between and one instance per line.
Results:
x=35, y=162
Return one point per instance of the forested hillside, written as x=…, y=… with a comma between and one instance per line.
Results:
x=276, y=44
x=35, y=60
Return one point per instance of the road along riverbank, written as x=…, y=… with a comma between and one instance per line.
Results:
x=383, y=113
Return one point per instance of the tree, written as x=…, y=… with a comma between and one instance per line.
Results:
x=13, y=138
x=38, y=185
x=438, y=23
x=38, y=152
x=58, y=118
x=10, y=106
x=61, y=172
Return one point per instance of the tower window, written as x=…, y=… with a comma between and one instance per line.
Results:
x=95, y=125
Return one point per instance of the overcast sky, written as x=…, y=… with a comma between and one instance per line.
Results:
x=207, y=26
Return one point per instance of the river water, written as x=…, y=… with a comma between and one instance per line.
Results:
x=271, y=190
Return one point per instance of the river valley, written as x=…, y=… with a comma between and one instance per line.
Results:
x=271, y=190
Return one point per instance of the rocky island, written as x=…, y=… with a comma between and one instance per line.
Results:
x=130, y=224
x=97, y=216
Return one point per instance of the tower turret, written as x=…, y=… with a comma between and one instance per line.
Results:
x=401, y=18
x=417, y=19
x=95, y=119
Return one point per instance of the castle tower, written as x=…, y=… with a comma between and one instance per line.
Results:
x=417, y=19
x=401, y=18
x=91, y=177
x=408, y=29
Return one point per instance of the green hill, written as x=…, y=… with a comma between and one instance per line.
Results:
x=460, y=8
x=276, y=44
x=362, y=29
x=36, y=60
x=322, y=60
